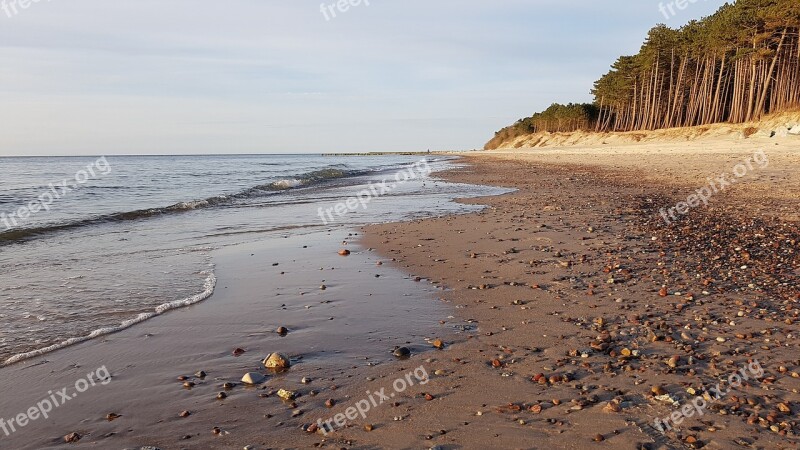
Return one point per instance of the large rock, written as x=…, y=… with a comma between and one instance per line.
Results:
x=277, y=361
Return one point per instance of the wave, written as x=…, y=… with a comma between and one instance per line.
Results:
x=304, y=180
x=208, y=289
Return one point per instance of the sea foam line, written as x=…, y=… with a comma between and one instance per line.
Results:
x=208, y=289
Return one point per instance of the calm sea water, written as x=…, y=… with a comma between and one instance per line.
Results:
x=117, y=240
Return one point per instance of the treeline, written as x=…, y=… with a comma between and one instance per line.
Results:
x=736, y=65
x=556, y=118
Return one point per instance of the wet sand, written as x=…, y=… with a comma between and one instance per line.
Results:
x=570, y=317
x=363, y=311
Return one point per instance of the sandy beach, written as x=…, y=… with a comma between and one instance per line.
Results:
x=566, y=314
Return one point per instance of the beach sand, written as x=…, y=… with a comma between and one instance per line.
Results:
x=571, y=316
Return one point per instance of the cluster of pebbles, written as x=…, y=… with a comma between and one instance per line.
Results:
x=640, y=317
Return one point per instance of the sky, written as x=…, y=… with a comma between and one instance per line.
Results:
x=100, y=77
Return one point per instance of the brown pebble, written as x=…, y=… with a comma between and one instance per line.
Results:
x=658, y=390
x=599, y=438
x=344, y=252
x=185, y=413
x=216, y=430
x=368, y=427
x=112, y=416
x=283, y=331
x=72, y=438
x=329, y=403
x=239, y=352
x=438, y=344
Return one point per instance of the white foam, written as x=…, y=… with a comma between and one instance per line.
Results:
x=287, y=184
x=209, y=285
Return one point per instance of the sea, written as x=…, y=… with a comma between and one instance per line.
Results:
x=93, y=245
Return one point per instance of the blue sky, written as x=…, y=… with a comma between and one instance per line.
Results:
x=274, y=76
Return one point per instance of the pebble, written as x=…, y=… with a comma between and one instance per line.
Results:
x=72, y=438
x=283, y=331
x=344, y=252
x=253, y=378
x=401, y=352
x=286, y=395
x=277, y=361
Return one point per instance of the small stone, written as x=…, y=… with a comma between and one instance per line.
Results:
x=216, y=430
x=72, y=438
x=112, y=416
x=329, y=403
x=599, y=438
x=222, y=396
x=200, y=374
x=185, y=414
x=368, y=427
x=277, y=361
x=305, y=380
x=253, y=378
x=286, y=395
x=612, y=407
x=438, y=344
x=344, y=252
x=658, y=390
x=401, y=352
x=282, y=331
x=239, y=352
